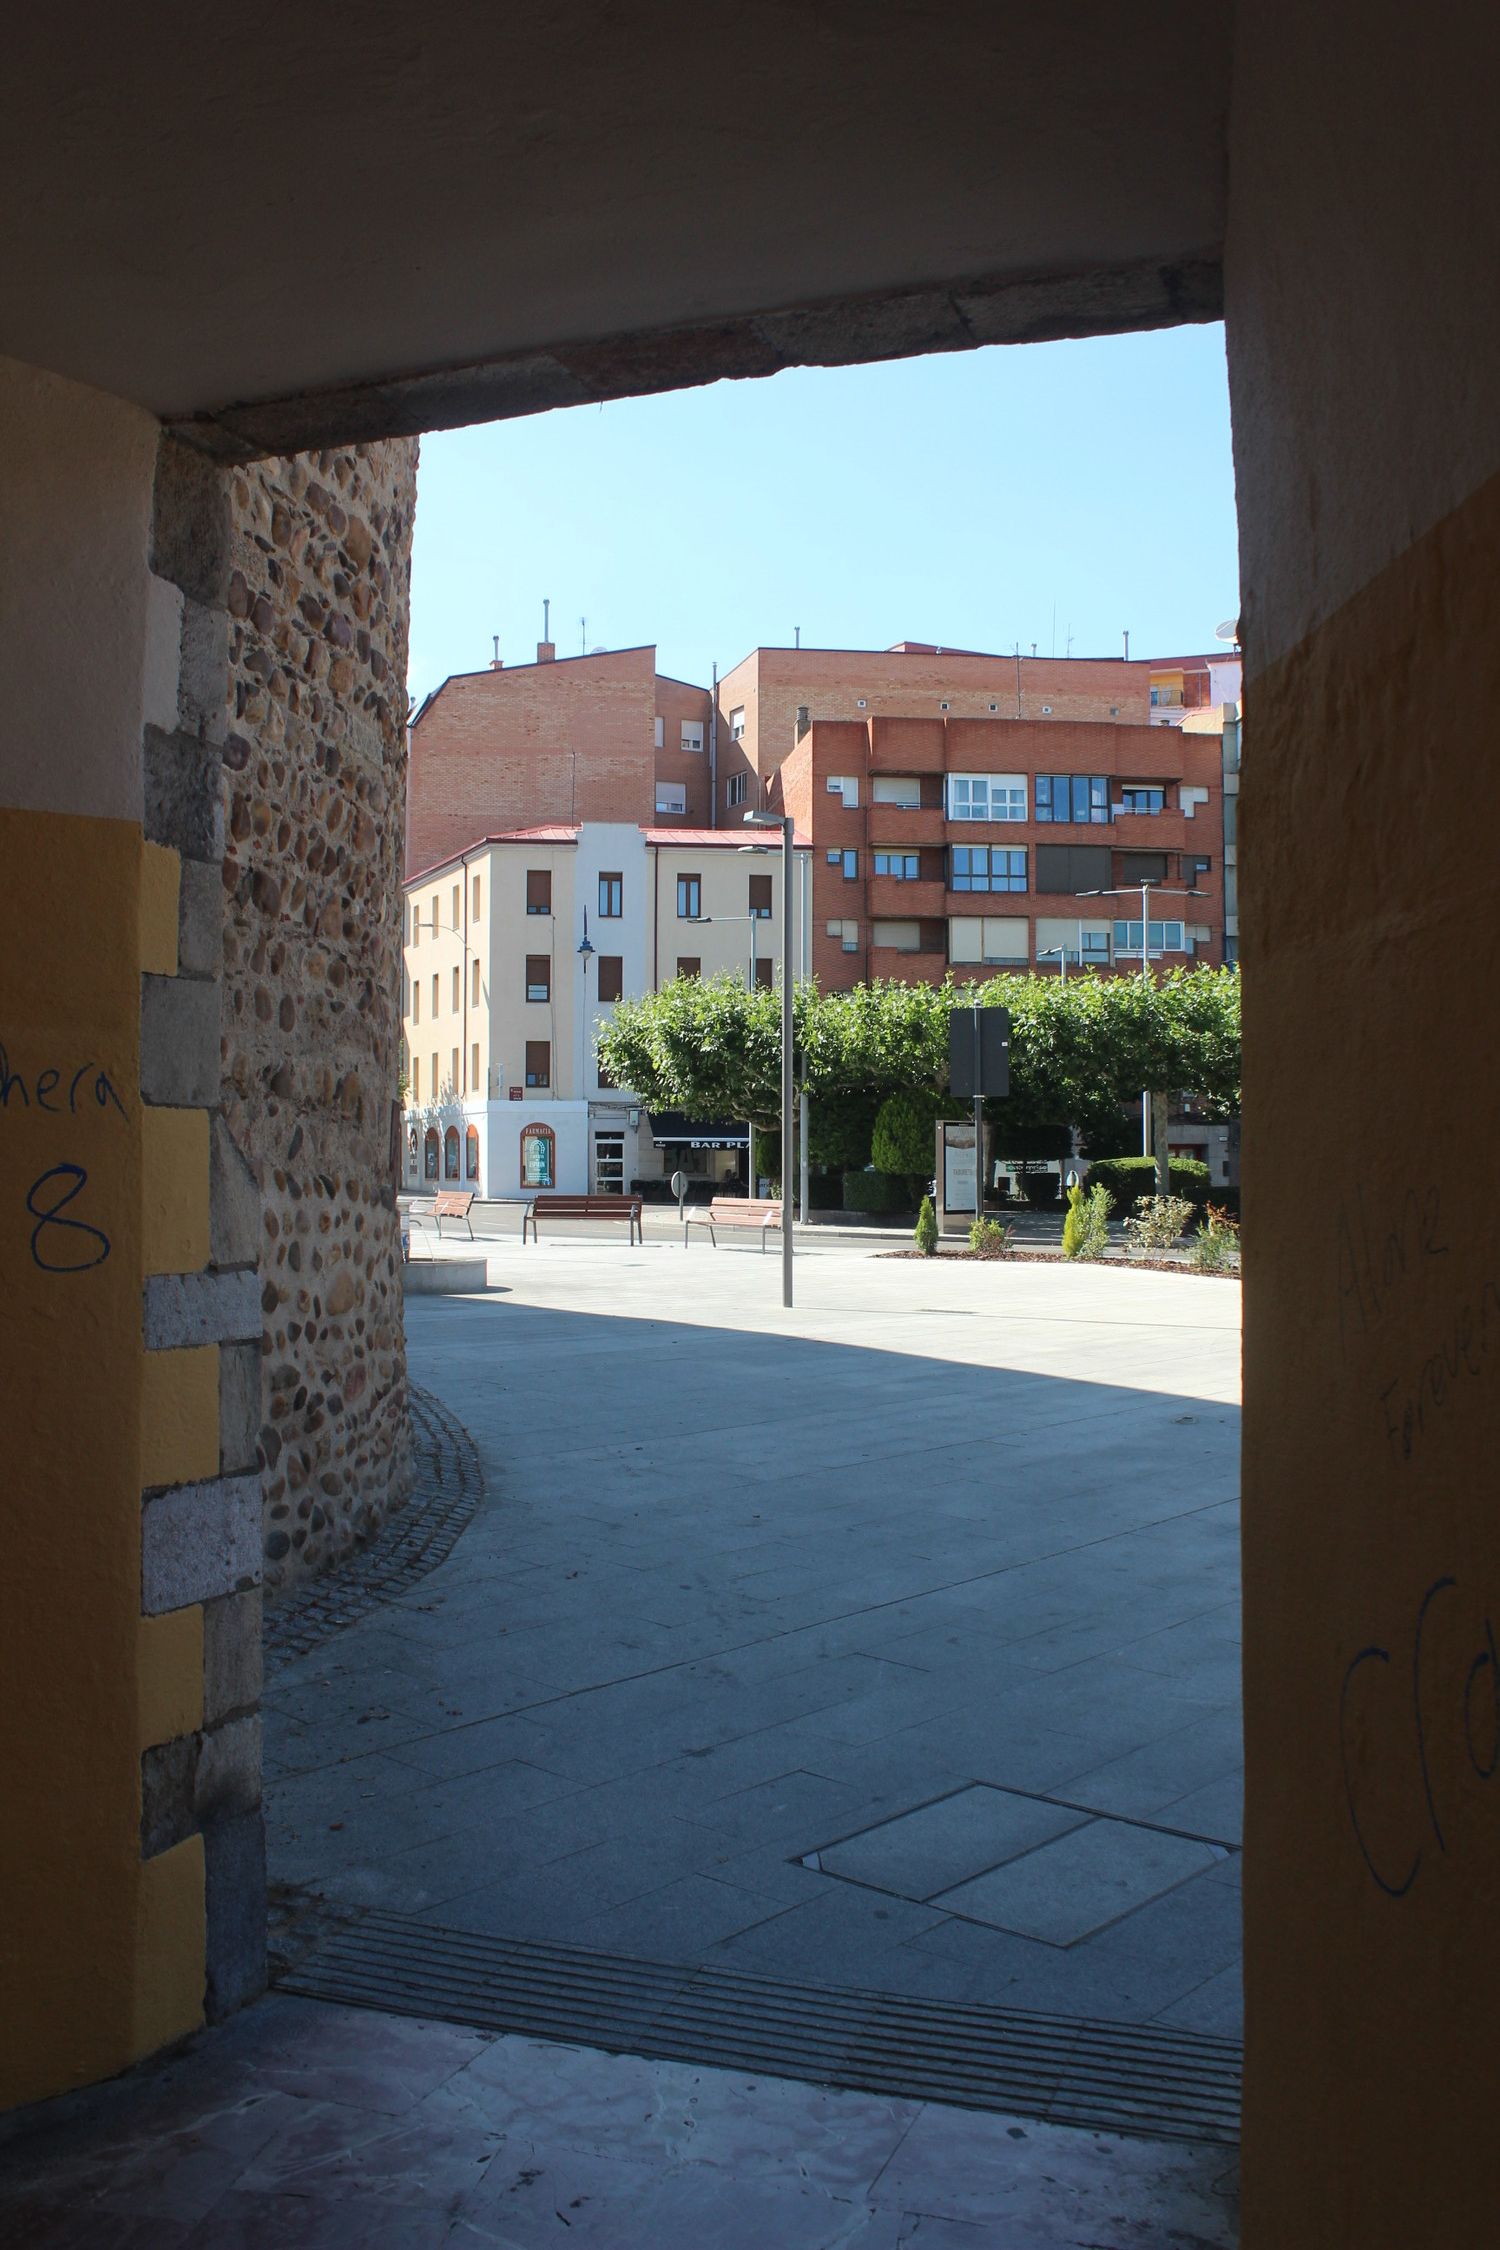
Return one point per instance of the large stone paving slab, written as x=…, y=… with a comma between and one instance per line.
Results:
x=1082, y=1882
x=748, y=1585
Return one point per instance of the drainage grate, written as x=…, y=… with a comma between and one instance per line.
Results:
x=1110, y=2077
x=447, y=1487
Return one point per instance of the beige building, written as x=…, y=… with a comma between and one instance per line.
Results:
x=515, y=953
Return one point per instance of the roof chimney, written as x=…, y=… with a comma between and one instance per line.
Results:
x=546, y=652
x=495, y=663
x=803, y=720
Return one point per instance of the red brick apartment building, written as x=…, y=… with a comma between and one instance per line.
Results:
x=966, y=842
x=579, y=738
x=958, y=802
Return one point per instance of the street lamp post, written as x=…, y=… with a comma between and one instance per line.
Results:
x=1128, y=891
x=788, y=1093
x=1047, y=951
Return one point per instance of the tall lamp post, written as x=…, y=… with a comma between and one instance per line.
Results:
x=1128, y=891
x=787, y=826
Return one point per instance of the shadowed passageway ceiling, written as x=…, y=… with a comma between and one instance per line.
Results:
x=350, y=225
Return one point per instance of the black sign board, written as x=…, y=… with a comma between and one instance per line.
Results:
x=990, y=1051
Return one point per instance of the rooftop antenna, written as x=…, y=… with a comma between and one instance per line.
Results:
x=1127, y=644
x=583, y=636
x=1070, y=640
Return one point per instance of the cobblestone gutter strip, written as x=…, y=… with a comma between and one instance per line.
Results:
x=447, y=1486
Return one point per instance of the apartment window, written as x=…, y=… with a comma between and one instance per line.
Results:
x=474, y=909
x=986, y=867
x=1093, y=945
x=844, y=785
x=611, y=897
x=1072, y=867
x=901, y=867
x=434, y=914
x=902, y=789
x=416, y=924
x=760, y=898
x=434, y=996
x=661, y=733
x=847, y=934
x=416, y=1001
x=1195, y=867
x=458, y=991
x=604, y=1075
x=689, y=897
x=539, y=890
x=416, y=1081
x=474, y=1069
x=1080, y=797
x=611, y=976
x=692, y=734
x=900, y=937
x=538, y=1062
x=458, y=904
x=994, y=940
x=474, y=985
x=849, y=866
x=986, y=796
x=435, y=1086
x=538, y=976
x=737, y=724
x=453, y=1063
x=764, y=974
x=671, y=797
x=1166, y=937
x=1142, y=800
x=689, y=965
x=734, y=789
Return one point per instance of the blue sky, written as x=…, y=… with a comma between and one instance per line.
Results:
x=976, y=499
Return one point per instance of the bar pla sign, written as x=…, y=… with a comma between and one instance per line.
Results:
x=978, y=1052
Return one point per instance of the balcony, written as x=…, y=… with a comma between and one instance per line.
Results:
x=897, y=827
x=1168, y=831
x=896, y=901
x=908, y=968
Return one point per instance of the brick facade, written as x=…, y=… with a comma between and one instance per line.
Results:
x=561, y=740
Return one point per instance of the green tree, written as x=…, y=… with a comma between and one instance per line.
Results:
x=1079, y=1051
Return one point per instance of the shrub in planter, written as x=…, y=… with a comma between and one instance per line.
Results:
x=1158, y=1222
x=1215, y=1242
x=876, y=1191
x=989, y=1239
x=1086, y=1228
x=926, y=1235
x=1128, y=1178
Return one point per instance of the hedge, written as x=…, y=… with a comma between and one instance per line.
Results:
x=877, y=1191
x=1128, y=1178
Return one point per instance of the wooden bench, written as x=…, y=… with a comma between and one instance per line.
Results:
x=627, y=1207
x=453, y=1203
x=741, y=1211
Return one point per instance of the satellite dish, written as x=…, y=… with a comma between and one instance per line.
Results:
x=1228, y=631
x=598, y=649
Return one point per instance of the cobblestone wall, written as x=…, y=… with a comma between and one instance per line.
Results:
x=314, y=781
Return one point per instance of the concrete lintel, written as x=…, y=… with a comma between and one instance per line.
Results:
x=950, y=315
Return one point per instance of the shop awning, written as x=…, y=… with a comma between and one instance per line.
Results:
x=669, y=1128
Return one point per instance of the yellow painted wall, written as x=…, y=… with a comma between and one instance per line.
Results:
x=1364, y=355
x=77, y=1904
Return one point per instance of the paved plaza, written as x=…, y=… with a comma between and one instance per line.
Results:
x=891, y=1644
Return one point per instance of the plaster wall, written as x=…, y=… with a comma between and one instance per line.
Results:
x=1365, y=380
